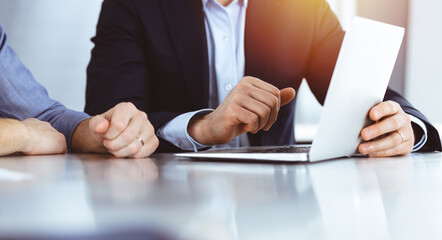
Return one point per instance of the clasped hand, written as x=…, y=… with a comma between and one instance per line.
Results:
x=124, y=131
x=390, y=135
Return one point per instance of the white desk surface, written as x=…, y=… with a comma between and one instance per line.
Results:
x=389, y=198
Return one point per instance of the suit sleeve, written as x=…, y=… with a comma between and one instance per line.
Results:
x=433, y=140
x=118, y=70
x=327, y=41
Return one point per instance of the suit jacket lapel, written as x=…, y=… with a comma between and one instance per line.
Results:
x=185, y=22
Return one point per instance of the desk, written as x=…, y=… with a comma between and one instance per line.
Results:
x=391, y=198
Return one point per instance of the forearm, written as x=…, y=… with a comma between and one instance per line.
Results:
x=82, y=140
x=13, y=136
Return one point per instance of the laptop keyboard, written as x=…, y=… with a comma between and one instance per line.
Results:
x=287, y=149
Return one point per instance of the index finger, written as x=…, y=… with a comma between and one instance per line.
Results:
x=384, y=109
x=258, y=83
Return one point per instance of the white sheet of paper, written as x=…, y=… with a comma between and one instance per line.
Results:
x=363, y=70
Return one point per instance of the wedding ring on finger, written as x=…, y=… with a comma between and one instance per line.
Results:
x=402, y=136
x=141, y=141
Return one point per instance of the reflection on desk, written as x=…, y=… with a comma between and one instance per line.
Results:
x=389, y=198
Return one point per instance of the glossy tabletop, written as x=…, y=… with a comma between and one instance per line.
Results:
x=388, y=198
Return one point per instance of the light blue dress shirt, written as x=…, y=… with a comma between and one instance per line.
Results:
x=225, y=29
x=225, y=44
x=22, y=97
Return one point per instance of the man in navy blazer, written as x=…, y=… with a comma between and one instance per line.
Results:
x=213, y=72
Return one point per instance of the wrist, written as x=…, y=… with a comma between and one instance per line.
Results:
x=25, y=132
x=83, y=141
x=198, y=130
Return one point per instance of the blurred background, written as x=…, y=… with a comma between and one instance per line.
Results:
x=52, y=38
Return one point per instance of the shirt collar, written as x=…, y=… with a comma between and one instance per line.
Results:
x=243, y=3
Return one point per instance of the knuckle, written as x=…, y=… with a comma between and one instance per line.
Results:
x=397, y=140
x=275, y=101
x=393, y=105
x=120, y=126
x=255, y=118
x=267, y=111
x=247, y=79
x=407, y=118
x=241, y=85
x=151, y=129
x=142, y=114
x=230, y=108
x=133, y=148
x=373, y=132
x=155, y=142
x=396, y=122
x=246, y=88
x=120, y=105
x=128, y=105
x=128, y=137
x=261, y=112
x=275, y=91
x=236, y=98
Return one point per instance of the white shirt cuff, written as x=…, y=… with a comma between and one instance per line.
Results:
x=176, y=133
x=424, y=138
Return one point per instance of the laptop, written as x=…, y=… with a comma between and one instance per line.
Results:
x=359, y=82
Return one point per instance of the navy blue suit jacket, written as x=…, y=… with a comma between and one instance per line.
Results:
x=154, y=54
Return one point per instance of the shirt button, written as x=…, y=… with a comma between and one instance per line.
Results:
x=228, y=87
x=226, y=37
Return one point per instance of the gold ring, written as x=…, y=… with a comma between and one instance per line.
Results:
x=141, y=141
x=402, y=136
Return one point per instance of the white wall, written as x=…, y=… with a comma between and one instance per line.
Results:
x=424, y=65
x=393, y=12
x=52, y=38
